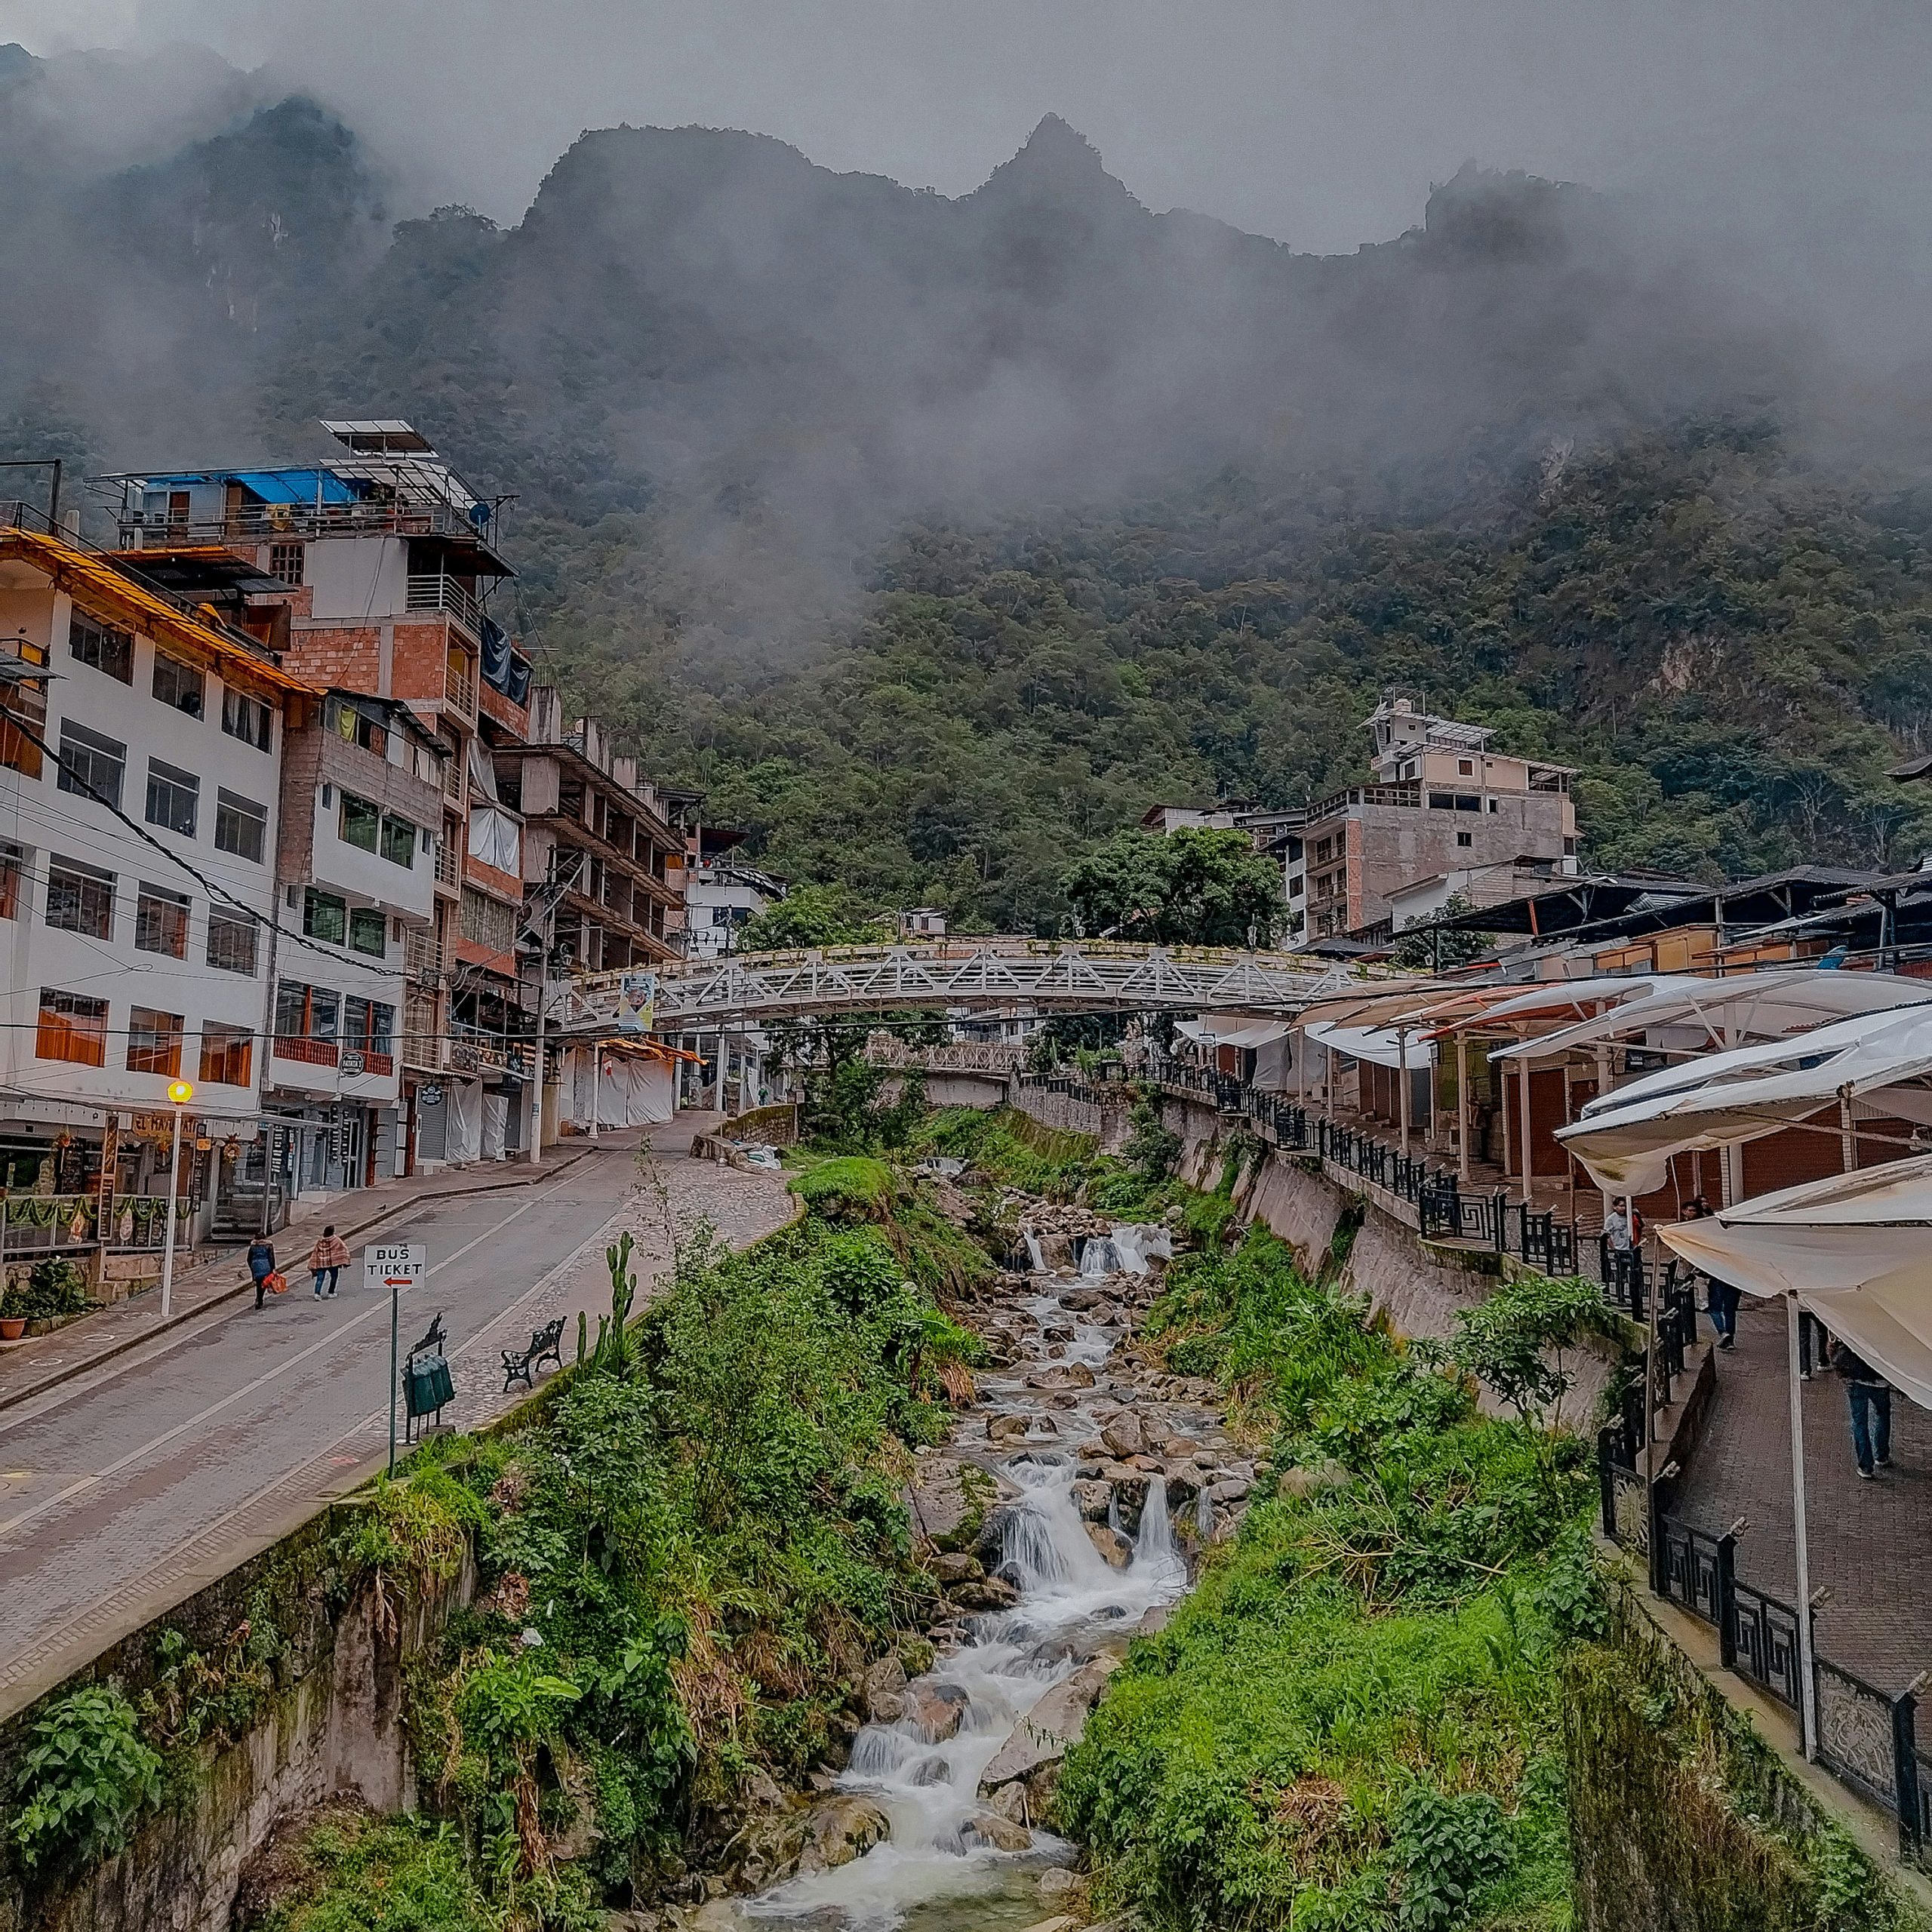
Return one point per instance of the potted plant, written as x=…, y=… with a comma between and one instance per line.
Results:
x=13, y=1313
x=55, y=1290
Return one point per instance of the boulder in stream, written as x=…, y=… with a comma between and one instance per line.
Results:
x=840, y=1830
x=1044, y=1735
x=885, y=1686
x=1122, y=1435
x=1002, y=1834
x=937, y=1708
x=1094, y=1499
x=989, y=1593
x=1115, y=1548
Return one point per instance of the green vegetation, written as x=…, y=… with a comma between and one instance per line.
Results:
x=813, y=916
x=689, y=1553
x=83, y=1781
x=1194, y=887
x=354, y=1873
x=1353, y=1723
x=55, y=1287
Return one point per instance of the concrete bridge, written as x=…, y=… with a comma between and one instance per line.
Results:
x=963, y=975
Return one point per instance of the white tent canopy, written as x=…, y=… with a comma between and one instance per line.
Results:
x=1626, y=1139
x=1750, y=1007
x=1855, y=1249
x=1239, y=1032
x=1580, y=999
x=1383, y=1045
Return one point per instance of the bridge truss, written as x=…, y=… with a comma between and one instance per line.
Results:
x=978, y=975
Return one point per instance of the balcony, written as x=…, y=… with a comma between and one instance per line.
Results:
x=459, y=688
x=311, y=1053
x=446, y=869
x=438, y=593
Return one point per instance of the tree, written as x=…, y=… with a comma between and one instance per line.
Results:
x=1516, y=1341
x=813, y=916
x=1431, y=953
x=1195, y=886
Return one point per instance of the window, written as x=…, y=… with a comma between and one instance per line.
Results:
x=368, y=932
x=177, y=683
x=356, y=727
x=241, y=825
x=1466, y=838
x=1492, y=805
x=80, y=899
x=231, y=942
x=305, y=1013
x=71, y=1027
x=92, y=765
x=161, y=922
x=285, y=560
x=228, y=1055
x=1442, y=801
x=324, y=916
x=23, y=705
x=154, y=1042
x=487, y=922
x=101, y=646
x=369, y=1025
x=1465, y=767
x=399, y=842
x=174, y=797
x=13, y=869
x=246, y=718
x=177, y=507
x=358, y=823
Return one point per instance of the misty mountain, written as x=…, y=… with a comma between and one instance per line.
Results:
x=936, y=535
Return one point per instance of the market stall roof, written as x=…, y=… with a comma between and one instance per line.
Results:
x=1855, y=1249
x=1751, y=1007
x=1626, y=1139
x=1248, y=1033
x=1381, y=1045
x=1393, y=1000
x=1560, y=1001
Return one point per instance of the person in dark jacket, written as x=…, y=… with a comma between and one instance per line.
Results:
x=1870, y=1398
x=261, y=1264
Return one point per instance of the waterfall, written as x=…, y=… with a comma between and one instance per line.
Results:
x=1203, y=1513
x=1155, y=1552
x=1046, y=1547
x=1099, y=1256
x=1035, y=1259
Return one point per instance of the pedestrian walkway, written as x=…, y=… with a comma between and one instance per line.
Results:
x=219, y=1276
x=1870, y=1542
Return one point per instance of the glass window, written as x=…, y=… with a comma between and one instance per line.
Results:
x=324, y=916
x=228, y=1055
x=358, y=728
x=178, y=684
x=174, y=797
x=71, y=1027
x=154, y=1042
x=382, y=1028
x=80, y=899
x=13, y=870
x=291, y=1009
x=368, y=932
x=246, y=718
x=231, y=942
x=161, y=922
x=323, y=1008
x=358, y=823
x=92, y=765
x=354, y=1022
x=241, y=825
x=285, y=560
x=101, y=646
x=399, y=842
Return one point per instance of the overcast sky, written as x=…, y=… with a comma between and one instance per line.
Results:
x=1321, y=122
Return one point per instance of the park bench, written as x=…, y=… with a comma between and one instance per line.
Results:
x=546, y=1345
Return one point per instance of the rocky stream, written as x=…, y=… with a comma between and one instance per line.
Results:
x=1062, y=1517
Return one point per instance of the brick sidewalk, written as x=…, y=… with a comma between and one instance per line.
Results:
x=1870, y=1542
x=31, y=1366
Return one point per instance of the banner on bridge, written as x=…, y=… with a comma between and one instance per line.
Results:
x=637, y=1003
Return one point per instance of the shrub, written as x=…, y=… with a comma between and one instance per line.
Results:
x=85, y=1778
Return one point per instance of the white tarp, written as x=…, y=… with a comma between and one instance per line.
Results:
x=1855, y=1249
x=1626, y=1139
x=463, y=1114
x=495, y=1125
x=653, y=1092
x=1383, y=1045
x=1560, y=999
x=1255, y=1033
x=496, y=838
x=1750, y=1007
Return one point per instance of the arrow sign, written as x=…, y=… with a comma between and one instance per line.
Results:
x=396, y=1265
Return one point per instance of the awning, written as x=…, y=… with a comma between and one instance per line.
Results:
x=653, y=1049
x=1381, y=1046
x=1256, y=1033
x=1564, y=1000
x=1626, y=1139
x=1855, y=1249
x=1751, y=1007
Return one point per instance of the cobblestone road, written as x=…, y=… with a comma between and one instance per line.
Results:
x=124, y=1492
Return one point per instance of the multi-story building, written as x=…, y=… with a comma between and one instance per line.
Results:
x=386, y=563
x=1439, y=800
x=137, y=857
x=721, y=890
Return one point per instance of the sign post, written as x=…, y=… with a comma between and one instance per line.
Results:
x=394, y=1266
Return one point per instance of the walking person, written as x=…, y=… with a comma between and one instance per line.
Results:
x=327, y=1259
x=1721, y=1298
x=1619, y=1249
x=1870, y=1396
x=261, y=1265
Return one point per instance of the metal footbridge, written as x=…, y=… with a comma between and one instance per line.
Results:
x=964, y=976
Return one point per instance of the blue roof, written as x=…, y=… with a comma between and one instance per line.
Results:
x=272, y=486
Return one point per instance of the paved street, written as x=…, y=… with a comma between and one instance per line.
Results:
x=1869, y=1542
x=126, y=1489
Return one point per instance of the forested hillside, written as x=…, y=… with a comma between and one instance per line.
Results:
x=1731, y=650
x=936, y=538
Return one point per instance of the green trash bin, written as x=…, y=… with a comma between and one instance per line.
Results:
x=427, y=1386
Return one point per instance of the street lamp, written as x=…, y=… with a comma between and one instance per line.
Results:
x=180, y=1093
